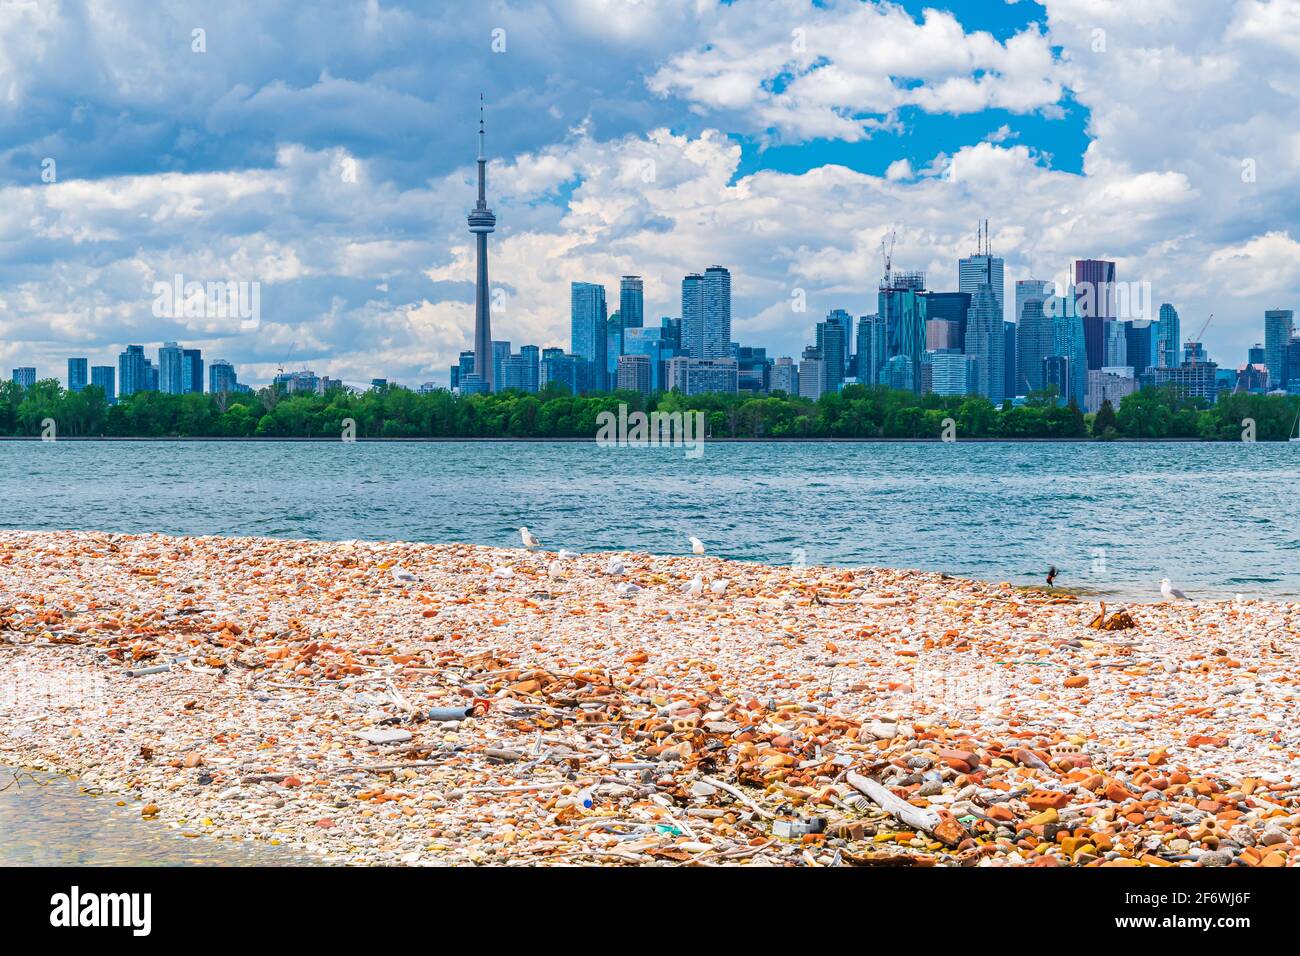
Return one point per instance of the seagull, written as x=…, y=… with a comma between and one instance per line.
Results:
x=615, y=567
x=1172, y=593
x=719, y=586
x=566, y=554
x=554, y=572
x=695, y=588
x=1051, y=575
x=529, y=541
x=503, y=573
x=697, y=546
x=626, y=588
x=404, y=576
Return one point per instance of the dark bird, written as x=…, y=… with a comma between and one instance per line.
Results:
x=1051, y=575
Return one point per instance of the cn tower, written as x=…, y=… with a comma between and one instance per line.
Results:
x=481, y=222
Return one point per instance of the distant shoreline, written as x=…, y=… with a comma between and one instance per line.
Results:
x=592, y=440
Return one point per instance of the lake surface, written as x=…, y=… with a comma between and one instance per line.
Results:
x=1217, y=519
x=47, y=820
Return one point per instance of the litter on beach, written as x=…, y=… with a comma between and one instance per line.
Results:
x=300, y=693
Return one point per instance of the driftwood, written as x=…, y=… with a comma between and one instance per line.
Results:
x=739, y=795
x=943, y=828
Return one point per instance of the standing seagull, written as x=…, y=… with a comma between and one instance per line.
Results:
x=1172, y=593
x=529, y=541
x=695, y=588
x=697, y=546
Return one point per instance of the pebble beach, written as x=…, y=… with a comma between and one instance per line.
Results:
x=381, y=703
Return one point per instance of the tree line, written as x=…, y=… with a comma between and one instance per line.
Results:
x=855, y=412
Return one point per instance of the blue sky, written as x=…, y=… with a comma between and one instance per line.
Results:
x=326, y=154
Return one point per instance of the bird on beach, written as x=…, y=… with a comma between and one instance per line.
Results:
x=695, y=587
x=566, y=554
x=503, y=572
x=529, y=541
x=615, y=567
x=1051, y=575
x=719, y=586
x=697, y=546
x=626, y=588
x=403, y=576
x=555, y=571
x=1172, y=593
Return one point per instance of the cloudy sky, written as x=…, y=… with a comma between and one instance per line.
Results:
x=325, y=151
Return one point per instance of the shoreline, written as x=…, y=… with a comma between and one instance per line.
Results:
x=592, y=440
x=644, y=729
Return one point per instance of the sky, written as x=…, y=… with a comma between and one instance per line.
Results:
x=325, y=153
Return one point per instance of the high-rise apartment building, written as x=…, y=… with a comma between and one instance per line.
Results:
x=191, y=371
x=1169, y=340
x=833, y=346
x=692, y=327
x=170, y=373
x=132, y=371
x=588, y=326
x=634, y=373
x=222, y=377
x=717, y=313
x=25, y=376
x=78, y=374
x=785, y=376
x=1278, y=327
x=104, y=377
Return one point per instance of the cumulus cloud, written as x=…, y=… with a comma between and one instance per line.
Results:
x=329, y=157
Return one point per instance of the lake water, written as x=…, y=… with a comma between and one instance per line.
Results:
x=1218, y=519
x=47, y=820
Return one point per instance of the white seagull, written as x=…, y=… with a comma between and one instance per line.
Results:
x=626, y=588
x=719, y=586
x=404, y=576
x=555, y=572
x=529, y=541
x=615, y=567
x=566, y=554
x=1172, y=593
x=697, y=546
x=503, y=572
x=695, y=588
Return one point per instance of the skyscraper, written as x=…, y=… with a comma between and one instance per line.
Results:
x=500, y=352
x=25, y=376
x=1094, y=297
x=692, y=345
x=631, y=306
x=1169, y=341
x=1277, y=341
x=658, y=345
x=588, y=319
x=77, y=371
x=102, y=375
x=901, y=306
x=1009, y=359
x=221, y=377
x=1034, y=335
x=1116, y=344
x=986, y=344
x=192, y=372
x=983, y=268
x=717, y=313
x=1141, y=339
x=482, y=222
x=132, y=371
x=870, y=349
x=833, y=345
x=170, y=377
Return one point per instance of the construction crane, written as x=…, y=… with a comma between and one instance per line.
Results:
x=887, y=254
x=1200, y=338
x=284, y=361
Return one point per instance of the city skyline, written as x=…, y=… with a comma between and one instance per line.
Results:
x=355, y=230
